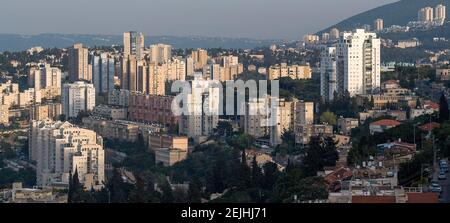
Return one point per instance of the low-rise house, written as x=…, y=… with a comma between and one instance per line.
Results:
x=119, y=129
x=396, y=148
x=157, y=140
x=18, y=194
x=261, y=158
x=390, y=84
x=428, y=108
x=168, y=156
x=429, y=126
x=386, y=195
x=345, y=125
x=110, y=112
x=303, y=133
x=342, y=140
x=443, y=74
x=382, y=125
x=397, y=114
x=334, y=178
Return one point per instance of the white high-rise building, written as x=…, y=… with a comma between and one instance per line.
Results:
x=440, y=13
x=378, y=25
x=45, y=80
x=328, y=73
x=202, y=107
x=103, y=73
x=76, y=97
x=160, y=53
x=60, y=149
x=358, y=62
x=425, y=15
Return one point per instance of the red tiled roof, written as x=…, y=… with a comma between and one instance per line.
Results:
x=432, y=105
x=422, y=197
x=386, y=122
x=373, y=199
x=429, y=126
x=339, y=174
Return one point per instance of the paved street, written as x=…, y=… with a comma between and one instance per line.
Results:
x=445, y=195
x=445, y=184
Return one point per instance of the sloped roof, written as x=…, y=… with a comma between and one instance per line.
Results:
x=422, y=197
x=386, y=122
x=429, y=126
x=374, y=199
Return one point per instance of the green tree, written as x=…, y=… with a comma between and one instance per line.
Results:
x=443, y=109
x=224, y=128
x=320, y=152
x=195, y=191
x=328, y=118
x=118, y=189
x=244, y=173
x=256, y=175
x=294, y=184
x=167, y=193
x=270, y=177
x=76, y=192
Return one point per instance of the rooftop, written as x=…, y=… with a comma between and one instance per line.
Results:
x=386, y=122
x=429, y=126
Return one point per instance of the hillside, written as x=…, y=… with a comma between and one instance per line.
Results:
x=397, y=13
x=14, y=42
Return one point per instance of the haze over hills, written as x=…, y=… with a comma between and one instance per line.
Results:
x=15, y=42
x=397, y=13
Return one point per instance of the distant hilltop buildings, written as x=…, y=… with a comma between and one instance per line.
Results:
x=427, y=18
x=426, y=14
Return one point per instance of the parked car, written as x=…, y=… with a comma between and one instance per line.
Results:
x=442, y=176
x=434, y=187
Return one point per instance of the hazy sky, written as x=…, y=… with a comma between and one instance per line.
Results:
x=287, y=19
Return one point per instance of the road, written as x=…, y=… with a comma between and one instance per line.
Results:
x=445, y=195
x=445, y=184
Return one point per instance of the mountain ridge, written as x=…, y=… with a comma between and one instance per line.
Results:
x=19, y=42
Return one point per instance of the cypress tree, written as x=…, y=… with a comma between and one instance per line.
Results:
x=443, y=109
x=195, y=191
